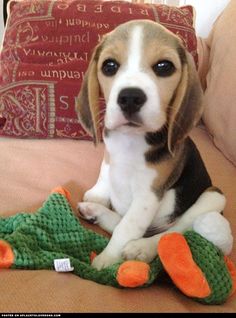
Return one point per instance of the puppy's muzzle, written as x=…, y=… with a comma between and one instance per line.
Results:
x=131, y=100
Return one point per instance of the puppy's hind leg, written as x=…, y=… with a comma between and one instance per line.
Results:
x=145, y=249
x=210, y=200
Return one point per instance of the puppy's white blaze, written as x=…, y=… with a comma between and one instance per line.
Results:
x=135, y=50
x=127, y=78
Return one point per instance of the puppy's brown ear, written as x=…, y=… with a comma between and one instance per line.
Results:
x=87, y=102
x=186, y=106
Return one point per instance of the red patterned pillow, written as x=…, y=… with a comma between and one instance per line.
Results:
x=45, y=54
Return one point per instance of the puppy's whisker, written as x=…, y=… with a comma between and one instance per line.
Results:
x=99, y=121
x=101, y=111
x=100, y=114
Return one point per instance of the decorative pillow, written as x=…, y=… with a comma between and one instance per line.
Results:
x=45, y=54
x=220, y=95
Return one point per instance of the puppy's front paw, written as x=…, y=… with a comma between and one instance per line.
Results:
x=89, y=211
x=140, y=249
x=97, y=196
x=104, y=260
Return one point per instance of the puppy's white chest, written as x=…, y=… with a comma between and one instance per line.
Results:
x=129, y=176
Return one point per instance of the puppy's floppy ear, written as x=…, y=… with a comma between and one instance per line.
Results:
x=186, y=105
x=87, y=102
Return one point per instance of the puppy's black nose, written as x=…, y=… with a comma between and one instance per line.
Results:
x=131, y=100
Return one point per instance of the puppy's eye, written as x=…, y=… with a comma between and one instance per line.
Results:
x=163, y=68
x=110, y=67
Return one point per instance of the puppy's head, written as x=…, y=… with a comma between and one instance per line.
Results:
x=148, y=80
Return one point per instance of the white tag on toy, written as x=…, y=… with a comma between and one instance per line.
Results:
x=63, y=265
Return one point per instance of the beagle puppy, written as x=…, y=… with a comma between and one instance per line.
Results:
x=152, y=179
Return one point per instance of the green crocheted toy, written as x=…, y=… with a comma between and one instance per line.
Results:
x=34, y=241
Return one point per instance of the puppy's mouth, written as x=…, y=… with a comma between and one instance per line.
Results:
x=133, y=124
x=125, y=123
x=132, y=121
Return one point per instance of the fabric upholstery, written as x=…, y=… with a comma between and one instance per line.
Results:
x=220, y=95
x=45, y=54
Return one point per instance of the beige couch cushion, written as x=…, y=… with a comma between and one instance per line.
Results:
x=220, y=95
x=29, y=169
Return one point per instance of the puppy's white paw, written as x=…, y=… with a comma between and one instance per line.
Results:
x=104, y=260
x=90, y=211
x=93, y=195
x=140, y=249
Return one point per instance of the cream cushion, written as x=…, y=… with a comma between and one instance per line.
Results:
x=220, y=94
